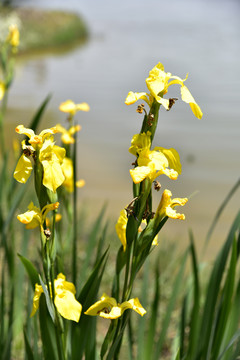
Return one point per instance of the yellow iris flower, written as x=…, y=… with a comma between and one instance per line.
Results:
x=152, y=163
x=50, y=155
x=158, y=84
x=13, y=36
x=108, y=308
x=70, y=107
x=67, y=135
x=167, y=205
x=34, y=216
x=139, y=142
x=64, y=300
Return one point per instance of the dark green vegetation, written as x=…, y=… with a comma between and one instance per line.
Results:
x=42, y=30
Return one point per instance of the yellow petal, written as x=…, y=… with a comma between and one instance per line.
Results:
x=173, y=158
x=172, y=174
x=102, y=307
x=23, y=169
x=20, y=129
x=132, y=97
x=188, y=98
x=47, y=208
x=2, y=90
x=67, y=137
x=155, y=159
x=70, y=107
x=139, y=173
x=67, y=106
x=155, y=241
x=162, y=101
x=135, y=305
x=13, y=37
x=121, y=226
x=30, y=218
x=83, y=107
x=140, y=142
x=67, y=168
x=59, y=152
x=67, y=306
x=157, y=82
x=52, y=175
x=51, y=157
x=65, y=301
x=166, y=206
x=80, y=183
x=61, y=283
x=36, y=298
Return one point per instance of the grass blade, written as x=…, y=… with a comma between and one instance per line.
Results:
x=225, y=303
x=213, y=292
x=219, y=212
x=92, y=241
x=31, y=270
x=28, y=351
x=149, y=343
x=85, y=329
x=38, y=115
x=195, y=310
x=176, y=287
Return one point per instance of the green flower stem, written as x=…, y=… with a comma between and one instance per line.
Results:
x=6, y=76
x=59, y=330
x=38, y=177
x=2, y=113
x=143, y=204
x=75, y=216
x=150, y=121
x=48, y=266
x=127, y=268
x=117, y=341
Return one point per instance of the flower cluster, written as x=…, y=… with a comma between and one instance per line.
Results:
x=151, y=163
x=50, y=156
x=158, y=84
x=52, y=169
x=11, y=43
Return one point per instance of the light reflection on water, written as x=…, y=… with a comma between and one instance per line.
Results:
x=127, y=40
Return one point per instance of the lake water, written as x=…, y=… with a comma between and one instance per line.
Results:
x=127, y=39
